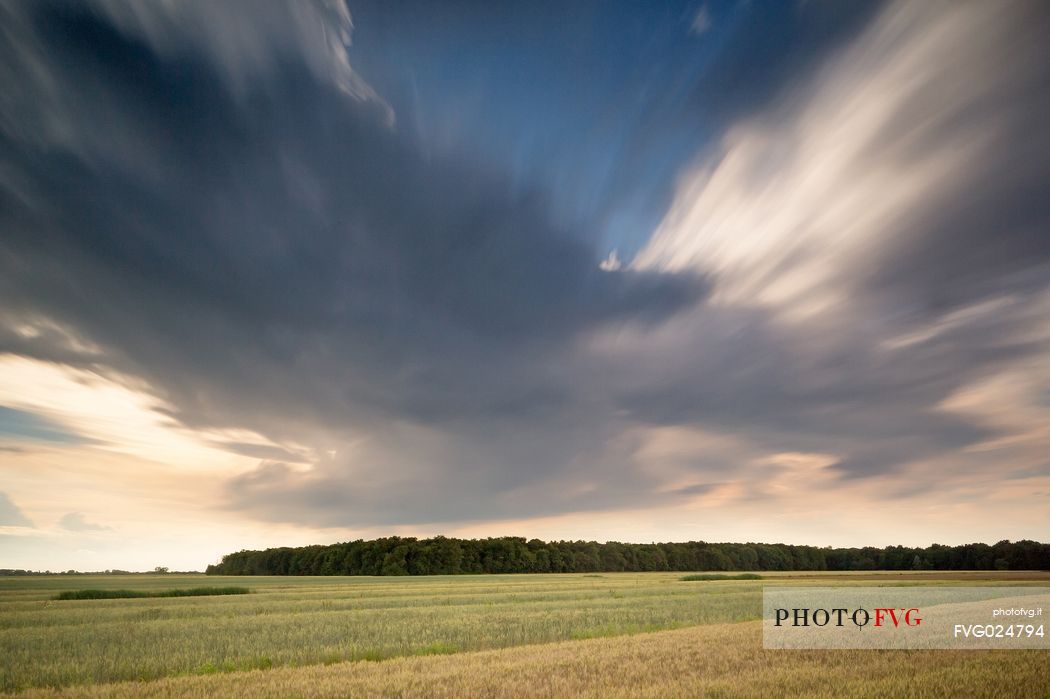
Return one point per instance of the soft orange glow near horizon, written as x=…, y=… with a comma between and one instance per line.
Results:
x=136, y=513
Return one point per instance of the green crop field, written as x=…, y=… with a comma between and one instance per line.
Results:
x=534, y=635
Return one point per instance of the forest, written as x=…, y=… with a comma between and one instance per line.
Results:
x=444, y=556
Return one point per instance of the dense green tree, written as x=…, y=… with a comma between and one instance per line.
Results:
x=442, y=555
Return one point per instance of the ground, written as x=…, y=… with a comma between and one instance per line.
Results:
x=609, y=634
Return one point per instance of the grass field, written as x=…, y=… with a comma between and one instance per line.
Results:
x=533, y=635
x=128, y=594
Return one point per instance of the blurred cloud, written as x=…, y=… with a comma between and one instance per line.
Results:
x=892, y=158
x=23, y=426
x=10, y=515
x=878, y=224
x=610, y=263
x=267, y=256
x=223, y=257
x=74, y=521
x=701, y=21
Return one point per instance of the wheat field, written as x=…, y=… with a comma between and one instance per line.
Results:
x=515, y=635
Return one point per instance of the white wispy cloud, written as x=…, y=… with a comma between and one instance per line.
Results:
x=701, y=21
x=793, y=205
x=611, y=263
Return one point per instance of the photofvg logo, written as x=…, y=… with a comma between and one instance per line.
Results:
x=841, y=616
x=904, y=617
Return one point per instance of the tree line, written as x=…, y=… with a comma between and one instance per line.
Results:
x=445, y=556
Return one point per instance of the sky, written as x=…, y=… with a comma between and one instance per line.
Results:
x=290, y=273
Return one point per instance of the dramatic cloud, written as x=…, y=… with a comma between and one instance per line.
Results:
x=883, y=228
x=234, y=248
x=907, y=166
x=270, y=255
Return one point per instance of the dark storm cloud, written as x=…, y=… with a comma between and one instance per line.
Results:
x=214, y=201
x=339, y=494
x=268, y=253
x=785, y=390
x=286, y=231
